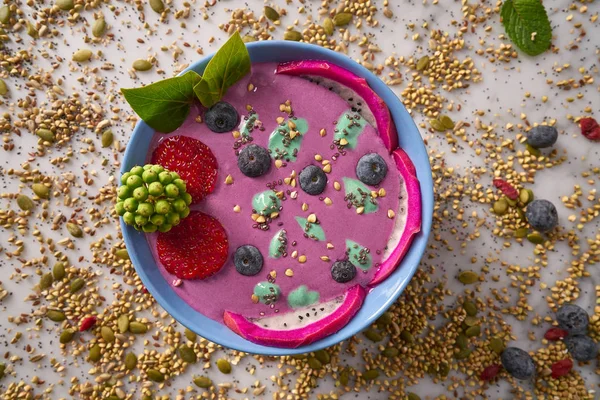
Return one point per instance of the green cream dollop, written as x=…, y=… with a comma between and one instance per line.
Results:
x=266, y=202
x=267, y=292
x=349, y=126
x=359, y=255
x=314, y=231
x=281, y=145
x=302, y=297
x=278, y=245
x=360, y=195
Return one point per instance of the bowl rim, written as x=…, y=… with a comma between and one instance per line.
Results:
x=403, y=273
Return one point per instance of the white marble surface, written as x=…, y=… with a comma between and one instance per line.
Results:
x=500, y=94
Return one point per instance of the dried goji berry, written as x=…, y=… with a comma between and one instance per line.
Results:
x=506, y=188
x=561, y=368
x=590, y=128
x=554, y=334
x=490, y=372
x=87, y=323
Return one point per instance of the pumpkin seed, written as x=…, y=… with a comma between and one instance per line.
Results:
x=45, y=134
x=42, y=191
x=107, y=138
x=191, y=336
x=407, y=336
x=122, y=254
x=46, y=281
x=299, y=356
x=107, y=334
x=328, y=26
x=323, y=356
x=462, y=342
x=535, y=238
x=471, y=321
x=390, y=352
x=59, y=271
x=524, y=196
x=463, y=354
x=157, y=6
x=292, y=35
x=224, y=366
x=137, y=327
x=187, y=354
x=155, y=375
x=142, y=65
x=56, y=315
x=314, y=363
x=95, y=355
x=412, y=396
x=385, y=319
x=437, y=125
x=2, y=369
x=99, y=27
x=521, y=232
x=371, y=374
x=31, y=30
x=65, y=5
x=123, y=323
x=4, y=15
x=344, y=377
x=470, y=308
x=473, y=331
x=24, y=202
x=248, y=39
x=444, y=369
x=422, y=63
x=271, y=13
x=130, y=361
x=74, y=230
x=521, y=214
x=532, y=150
x=500, y=207
x=82, y=55
x=3, y=88
x=447, y=122
x=510, y=202
x=76, y=285
x=373, y=335
x=113, y=396
x=66, y=336
x=468, y=277
x=203, y=382
x=342, y=19
x=496, y=345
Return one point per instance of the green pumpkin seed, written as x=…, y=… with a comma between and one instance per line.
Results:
x=471, y=321
x=328, y=26
x=74, y=230
x=344, y=377
x=524, y=196
x=65, y=5
x=535, y=238
x=271, y=13
x=521, y=214
x=342, y=19
x=24, y=202
x=447, y=122
x=371, y=374
x=470, y=308
x=422, y=63
x=155, y=375
x=107, y=334
x=142, y=65
x=191, y=336
x=437, y=125
x=82, y=55
x=323, y=356
x=390, y=352
x=59, y=271
x=299, y=356
x=157, y=6
x=46, y=281
x=130, y=361
x=248, y=39
x=463, y=354
x=407, y=337
x=3, y=88
x=95, y=355
x=4, y=14
x=500, y=207
x=473, y=331
x=496, y=345
x=532, y=150
x=76, y=285
x=224, y=366
x=56, y=315
x=107, y=138
x=292, y=35
x=468, y=277
x=385, y=319
x=462, y=342
x=510, y=202
x=137, y=327
x=412, y=396
x=122, y=254
x=314, y=363
x=99, y=27
x=2, y=369
x=521, y=232
x=45, y=134
x=123, y=323
x=444, y=369
x=187, y=354
x=31, y=30
x=373, y=335
x=66, y=336
x=42, y=191
x=203, y=382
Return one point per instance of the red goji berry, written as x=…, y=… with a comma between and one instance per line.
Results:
x=590, y=128
x=561, y=368
x=554, y=334
x=490, y=372
x=87, y=323
x=506, y=188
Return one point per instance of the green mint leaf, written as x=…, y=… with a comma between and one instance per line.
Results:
x=164, y=105
x=228, y=65
x=526, y=23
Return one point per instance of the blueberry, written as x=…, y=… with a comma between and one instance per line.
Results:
x=222, y=117
x=313, y=180
x=572, y=319
x=542, y=136
x=247, y=260
x=518, y=363
x=582, y=348
x=343, y=271
x=371, y=169
x=254, y=161
x=542, y=215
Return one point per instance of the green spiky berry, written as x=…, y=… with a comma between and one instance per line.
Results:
x=129, y=218
x=145, y=209
x=179, y=205
x=171, y=191
x=158, y=219
x=155, y=189
x=141, y=220
x=141, y=193
x=173, y=218
x=124, y=192
x=184, y=213
x=149, y=176
x=149, y=228
x=134, y=181
x=124, y=178
x=120, y=208
x=137, y=170
x=162, y=207
x=130, y=204
x=164, y=228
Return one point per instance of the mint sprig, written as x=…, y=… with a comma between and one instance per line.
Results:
x=526, y=23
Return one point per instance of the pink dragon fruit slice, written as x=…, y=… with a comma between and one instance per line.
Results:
x=350, y=87
x=299, y=327
x=408, y=216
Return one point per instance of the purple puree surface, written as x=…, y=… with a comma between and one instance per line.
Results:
x=229, y=290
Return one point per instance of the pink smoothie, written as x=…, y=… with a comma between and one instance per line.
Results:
x=321, y=108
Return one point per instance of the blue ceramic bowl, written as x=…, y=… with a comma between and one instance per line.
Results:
x=377, y=301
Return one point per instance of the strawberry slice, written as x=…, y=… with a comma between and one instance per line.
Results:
x=192, y=160
x=195, y=249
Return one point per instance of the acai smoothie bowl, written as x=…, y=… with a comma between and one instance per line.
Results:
x=276, y=197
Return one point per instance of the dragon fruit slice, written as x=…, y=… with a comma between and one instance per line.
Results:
x=350, y=87
x=299, y=327
x=407, y=216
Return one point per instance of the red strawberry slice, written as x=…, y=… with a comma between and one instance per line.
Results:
x=192, y=160
x=195, y=249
